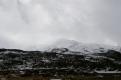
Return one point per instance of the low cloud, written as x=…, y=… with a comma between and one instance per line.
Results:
x=28, y=23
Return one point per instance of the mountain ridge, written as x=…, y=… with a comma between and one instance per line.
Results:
x=82, y=47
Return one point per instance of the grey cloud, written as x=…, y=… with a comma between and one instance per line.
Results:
x=108, y=18
x=27, y=23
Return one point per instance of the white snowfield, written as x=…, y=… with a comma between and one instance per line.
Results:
x=82, y=47
x=104, y=71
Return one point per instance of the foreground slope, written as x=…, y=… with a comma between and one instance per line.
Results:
x=57, y=61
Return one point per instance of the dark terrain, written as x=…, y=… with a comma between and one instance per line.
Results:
x=57, y=64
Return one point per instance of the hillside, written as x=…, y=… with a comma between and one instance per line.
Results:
x=57, y=61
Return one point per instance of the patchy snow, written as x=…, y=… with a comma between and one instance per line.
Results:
x=82, y=47
x=104, y=71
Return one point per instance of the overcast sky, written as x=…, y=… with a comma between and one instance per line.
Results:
x=28, y=23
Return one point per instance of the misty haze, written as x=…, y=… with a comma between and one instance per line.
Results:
x=60, y=40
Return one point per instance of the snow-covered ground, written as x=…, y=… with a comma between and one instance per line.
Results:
x=82, y=47
x=104, y=71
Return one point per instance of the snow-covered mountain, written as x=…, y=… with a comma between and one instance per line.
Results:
x=14, y=59
x=73, y=45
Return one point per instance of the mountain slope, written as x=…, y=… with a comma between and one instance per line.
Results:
x=54, y=62
x=82, y=47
